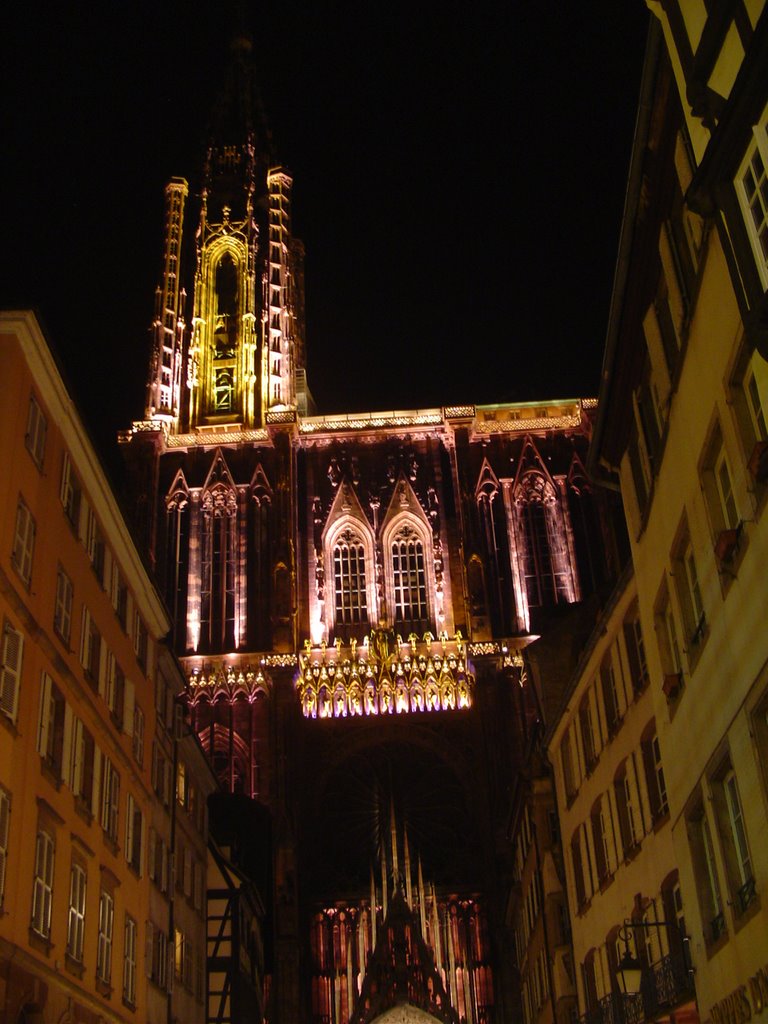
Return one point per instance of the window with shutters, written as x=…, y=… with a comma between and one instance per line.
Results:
x=76, y=919
x=130, y=934
x=34, y=439
x=81, y=773
x=23, y=542
x=140, y=642
x=42, y=888
x=10, y=670
x=157, y=955
x=94, y=545
x=705, y=873
x=654, y=774
x=71, y=493
x=628, y=806
x=686, y=578
x=105, y=938
x=62, y=613
x=119, y=596
x=138, y=735
x=610, y=691
x=5, y=828
x=635, y=647
x=732, y=831
x=50, y=726
x=134, y=829
x=115, y=691
x=90, y=648
x=110, y=797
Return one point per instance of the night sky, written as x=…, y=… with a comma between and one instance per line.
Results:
x=459, y=173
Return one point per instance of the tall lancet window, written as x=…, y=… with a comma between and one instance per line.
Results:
x=225, y=335
x=545, y=566
x=351, y=604
x=409, y=579
x=176, y=555
x=218, y=565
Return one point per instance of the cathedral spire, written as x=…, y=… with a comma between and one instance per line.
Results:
x=164, y=383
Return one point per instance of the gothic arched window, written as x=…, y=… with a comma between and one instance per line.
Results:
x=350, y=599
x=410, y=603
x=217, y=569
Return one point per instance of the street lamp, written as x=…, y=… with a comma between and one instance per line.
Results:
x=629, y=972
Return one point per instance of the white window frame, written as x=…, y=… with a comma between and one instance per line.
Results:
x=42, y=888
x=737, y=827
x=752, y=198
x=62, y=615
x=130, y=933
x=105, y=937
x=71, y=492
x=78, y=887
x=23, y=541
x=110, y=799
x=10, y=670
x=37, y=426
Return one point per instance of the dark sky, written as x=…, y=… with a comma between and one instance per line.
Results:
x=459, y=172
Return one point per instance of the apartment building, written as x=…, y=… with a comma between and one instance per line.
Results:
x=82, y=656
x=682, y=428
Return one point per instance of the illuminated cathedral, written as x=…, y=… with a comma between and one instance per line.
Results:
x=353, y=597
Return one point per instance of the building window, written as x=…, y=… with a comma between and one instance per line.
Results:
x=351, y=606
x=158, y=945
x=602, y=835
x=628, y=806
x=76, y=920
x=110, y=797
x=10, y=670
x=158, y=860
x=218, y=567
x=50, y=726
x=750, y=415
x=752, y=191
x=705, y=872
x=81, y=768
x=115, y=691
x=119, y=596
x=71, y=494
x=654, y=777
x=94, y=545
x=409, y=578
x=730, y=820
x=23, y=542
x=5, y=826
x=138, y=735
x=610, y=694
x=34, y=439
x=633, y=640
x=141, y=642
x=134, y=829
x=90, y=648
x=62, y=614
x=42, y=890
x=569, y=777
x=104, y=945
x=717, y=483
x=589, y=734
x=129, y=961
x=686, y=577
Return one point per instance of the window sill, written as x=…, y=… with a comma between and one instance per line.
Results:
x=8, y=724
x=83, y=810
x=74, y=966
x=129, y=1005
x=41, y=943
x=104, y=988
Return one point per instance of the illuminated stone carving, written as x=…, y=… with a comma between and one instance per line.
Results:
x=386, y=676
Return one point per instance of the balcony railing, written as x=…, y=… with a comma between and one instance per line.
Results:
x=665, y=985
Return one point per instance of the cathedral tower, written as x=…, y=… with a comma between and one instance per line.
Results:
x=352, y=597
